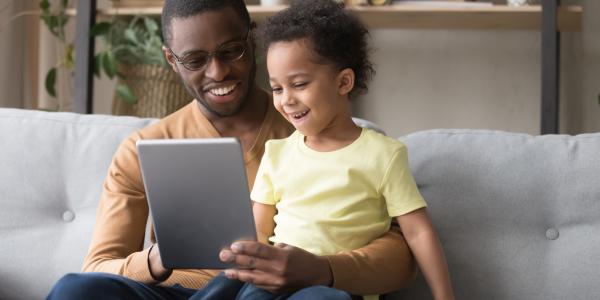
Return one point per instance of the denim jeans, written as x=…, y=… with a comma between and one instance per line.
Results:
x=109, y=286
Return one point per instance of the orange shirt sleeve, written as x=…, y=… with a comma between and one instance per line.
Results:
x=383, y=266
x=118, y=236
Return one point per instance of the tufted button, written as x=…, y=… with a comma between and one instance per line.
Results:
x=552, y=234
x=68, y=216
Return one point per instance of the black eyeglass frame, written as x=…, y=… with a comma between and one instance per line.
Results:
x=213, y=54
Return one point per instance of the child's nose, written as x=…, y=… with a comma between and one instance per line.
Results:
x=287, y=99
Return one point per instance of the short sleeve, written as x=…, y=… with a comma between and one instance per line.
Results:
x=398, y=186
x=263, y=191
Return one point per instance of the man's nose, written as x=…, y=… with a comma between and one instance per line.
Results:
x=216, y=69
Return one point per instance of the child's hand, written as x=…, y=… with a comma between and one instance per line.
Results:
x=277, y=269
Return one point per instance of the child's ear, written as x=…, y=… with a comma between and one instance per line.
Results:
x=345, y=81
x=170, y=58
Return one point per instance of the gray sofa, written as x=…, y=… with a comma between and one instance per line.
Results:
x=518, y=215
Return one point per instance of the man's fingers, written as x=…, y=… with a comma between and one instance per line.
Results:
x=226, y=256
x=261, y=279
x=281, y=245
x=252, y=263
x=252, y=248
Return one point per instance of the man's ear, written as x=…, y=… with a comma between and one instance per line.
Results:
x=170, y=58
x=345, y=81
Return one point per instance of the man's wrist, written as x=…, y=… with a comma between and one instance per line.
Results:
x=326, y=278
x=153, y=265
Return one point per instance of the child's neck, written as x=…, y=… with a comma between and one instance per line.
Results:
x=337, y=136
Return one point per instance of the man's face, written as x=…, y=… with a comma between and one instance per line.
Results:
x=221, y=86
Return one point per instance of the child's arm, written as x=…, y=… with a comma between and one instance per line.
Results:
x=263, y=219
x=423, y=241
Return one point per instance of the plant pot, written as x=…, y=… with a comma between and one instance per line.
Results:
x=158, y=90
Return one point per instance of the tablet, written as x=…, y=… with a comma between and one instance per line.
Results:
x=198, y=196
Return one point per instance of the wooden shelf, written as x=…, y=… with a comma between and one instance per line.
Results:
x=423, y=16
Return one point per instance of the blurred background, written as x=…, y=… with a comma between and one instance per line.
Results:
x=426, y=78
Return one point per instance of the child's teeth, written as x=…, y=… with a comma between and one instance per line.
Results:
x=302, y=114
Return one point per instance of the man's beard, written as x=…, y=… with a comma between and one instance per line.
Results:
x=242, y=101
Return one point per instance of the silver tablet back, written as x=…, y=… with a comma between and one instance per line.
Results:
x=198, y=196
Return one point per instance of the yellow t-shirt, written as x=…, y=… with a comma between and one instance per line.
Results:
x=333, y=201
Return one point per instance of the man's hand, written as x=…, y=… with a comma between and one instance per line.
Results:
x=277, y=269
x=157, y=270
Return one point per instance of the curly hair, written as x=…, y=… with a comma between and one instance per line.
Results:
x=337, y=36
x=187, y=8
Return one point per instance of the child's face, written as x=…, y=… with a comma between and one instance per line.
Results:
x=306, y=93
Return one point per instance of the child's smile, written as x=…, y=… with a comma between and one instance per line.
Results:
x=298, y=116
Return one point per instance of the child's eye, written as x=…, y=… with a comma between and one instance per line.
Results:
x=276, y=90
x=300, y=84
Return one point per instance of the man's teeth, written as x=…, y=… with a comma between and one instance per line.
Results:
x=300, y=115
x=222, y=90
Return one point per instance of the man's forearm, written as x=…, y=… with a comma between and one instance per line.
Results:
x=384, y=265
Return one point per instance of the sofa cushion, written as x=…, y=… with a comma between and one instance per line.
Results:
x=52, y=166
x=518, y=215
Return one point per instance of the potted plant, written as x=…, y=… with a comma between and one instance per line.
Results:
x=131, y=51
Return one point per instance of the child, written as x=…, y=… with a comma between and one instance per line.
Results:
x=332, y=186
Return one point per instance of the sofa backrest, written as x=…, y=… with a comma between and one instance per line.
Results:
x=52, y=166
x=518, y=215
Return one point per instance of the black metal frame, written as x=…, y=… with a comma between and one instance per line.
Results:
x=84, y=62
x=84, y=66
x=550, y=67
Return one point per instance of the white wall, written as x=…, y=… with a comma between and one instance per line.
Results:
x=468, y=79
x=590, y=70
x=11, y=54
x=480, y=79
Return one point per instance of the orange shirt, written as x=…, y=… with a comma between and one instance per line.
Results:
x=118, y=238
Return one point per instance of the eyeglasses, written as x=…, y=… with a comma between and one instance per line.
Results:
x=227, y=53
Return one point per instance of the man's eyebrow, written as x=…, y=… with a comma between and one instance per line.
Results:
x=192, y=51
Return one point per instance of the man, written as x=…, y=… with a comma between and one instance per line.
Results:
x=209, y=43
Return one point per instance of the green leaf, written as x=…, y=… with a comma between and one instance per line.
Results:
x=151, y=25
x=110, y=64
x=97, y=64
x=46, y=19
x=65, y=3
x=51, y=82
x=125, y=93
x=62, y=20
x=101, y=28
x=69, y=56
x=52, y=22
x=44, y=5
x=130, y=35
